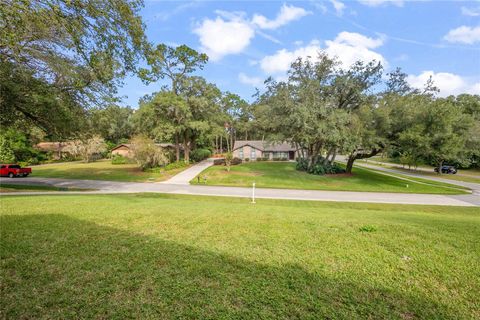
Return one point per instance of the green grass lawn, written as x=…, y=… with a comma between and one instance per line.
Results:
x=102, y=170
x=6, y=187
x=156, y=256
x=284, y=175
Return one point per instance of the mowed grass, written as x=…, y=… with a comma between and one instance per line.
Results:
x=151, y=256
x=5, y=187
x=101, y=170
x=284, y=175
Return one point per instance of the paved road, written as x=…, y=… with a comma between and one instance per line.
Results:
x=422, y=169
x=342, y=196
x=185, y=176
x=475, y=187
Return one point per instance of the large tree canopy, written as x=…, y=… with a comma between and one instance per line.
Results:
x=75, y=50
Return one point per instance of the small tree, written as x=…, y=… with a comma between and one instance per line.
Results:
x=147, y=154
x=86, y=148
x=228, y=160
x=6, y=152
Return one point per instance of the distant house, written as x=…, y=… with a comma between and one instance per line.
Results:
x=57, y=149
x=124, y=149
x=255, y=149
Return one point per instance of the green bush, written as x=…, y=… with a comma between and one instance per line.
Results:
x=119, y=159
x=279, y=159
x=320, y=168
x=200, y=154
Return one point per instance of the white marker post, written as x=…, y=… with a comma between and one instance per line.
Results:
x=253, y=193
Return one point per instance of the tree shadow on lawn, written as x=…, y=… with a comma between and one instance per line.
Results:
x=54, y=266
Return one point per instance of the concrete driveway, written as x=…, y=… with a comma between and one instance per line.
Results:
x=185, y=176
x=290, y=194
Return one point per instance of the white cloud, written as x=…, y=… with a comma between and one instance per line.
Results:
x=338, y=6
x=282, y=59
x=347, y=47
x=232, y=32
x=464, y=34
x=287, y=14
x=471, y=12
x=448, y=83
x=376, y=3
x=350, y=47
x=220, y=37
x=253, y=81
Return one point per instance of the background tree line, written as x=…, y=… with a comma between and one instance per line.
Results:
x=61, y=63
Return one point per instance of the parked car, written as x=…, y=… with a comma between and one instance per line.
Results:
x=14, y=170
x=447, y=169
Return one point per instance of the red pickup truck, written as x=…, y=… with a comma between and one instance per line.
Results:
x=14, y=170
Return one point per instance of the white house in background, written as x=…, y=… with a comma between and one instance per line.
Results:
x=255, y=149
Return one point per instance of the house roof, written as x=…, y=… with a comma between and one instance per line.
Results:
x=52, y=146
x=265, y=146
x=163, y=145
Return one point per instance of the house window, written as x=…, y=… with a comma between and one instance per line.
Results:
x=240, y=153
x=252, y=154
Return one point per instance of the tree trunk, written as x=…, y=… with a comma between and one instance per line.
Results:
x=351, y=160
x=221, y=144
x=333, y=156
x=177, y=148
x=440, y=165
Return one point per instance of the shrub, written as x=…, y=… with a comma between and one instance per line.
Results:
x=119, y=159
x=147, y=154
x=236, y=161
x=200, y=154
x=320, y=168
x=279, y=159
x=263, y=159
x=219, y=162
x=247, y=159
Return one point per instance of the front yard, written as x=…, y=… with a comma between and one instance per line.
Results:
x=284, y=175
x=151, y=256
x=102, y=170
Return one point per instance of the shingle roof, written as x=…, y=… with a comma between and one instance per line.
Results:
x=163, y=145
x=265, y=146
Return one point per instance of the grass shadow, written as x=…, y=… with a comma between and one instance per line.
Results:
x=54, y=266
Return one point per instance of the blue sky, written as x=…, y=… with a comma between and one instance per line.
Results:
x=247, y=41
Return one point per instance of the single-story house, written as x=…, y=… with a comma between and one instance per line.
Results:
x=57, y=149
x=255, y=149
x=125, y=148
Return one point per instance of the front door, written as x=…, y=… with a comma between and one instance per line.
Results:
x=291, y=155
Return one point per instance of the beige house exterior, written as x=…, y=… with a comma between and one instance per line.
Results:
x=125, y=149
x=256, y=149
x=122, y=150
x=57, y=149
